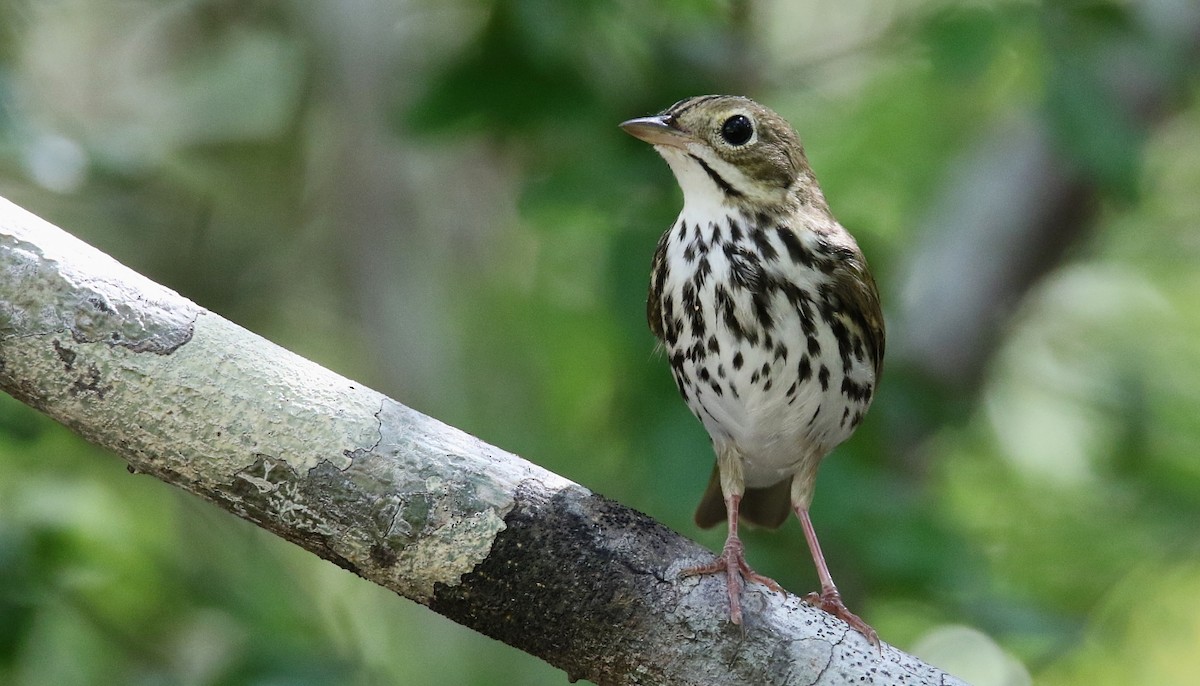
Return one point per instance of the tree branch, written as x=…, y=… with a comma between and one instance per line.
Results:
x=477, y=534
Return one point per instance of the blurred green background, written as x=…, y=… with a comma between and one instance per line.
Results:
x=432, y=197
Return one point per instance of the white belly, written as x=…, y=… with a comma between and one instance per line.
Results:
x=771, y=386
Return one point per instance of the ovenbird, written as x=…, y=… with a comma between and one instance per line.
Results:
x=769, y=316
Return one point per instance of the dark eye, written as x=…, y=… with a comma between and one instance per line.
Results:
x=737, y=129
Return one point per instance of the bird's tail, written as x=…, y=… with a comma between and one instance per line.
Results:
x=766, y=507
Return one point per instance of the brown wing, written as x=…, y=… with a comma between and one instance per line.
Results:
x=855, y=285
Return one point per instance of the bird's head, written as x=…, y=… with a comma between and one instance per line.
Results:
x=728, y=150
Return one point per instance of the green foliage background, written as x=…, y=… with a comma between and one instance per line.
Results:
x=433, y=198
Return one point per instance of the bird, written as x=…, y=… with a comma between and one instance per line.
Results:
x=771, y=320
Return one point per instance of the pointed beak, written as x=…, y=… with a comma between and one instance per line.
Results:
x=656, y=130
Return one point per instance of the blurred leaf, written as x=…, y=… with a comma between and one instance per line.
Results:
x=1087, y=113
x=18, y=603
x=963, y=40
x=514, y=77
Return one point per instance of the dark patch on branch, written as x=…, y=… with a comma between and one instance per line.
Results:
x=566, y=582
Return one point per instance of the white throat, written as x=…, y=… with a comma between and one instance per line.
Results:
x=701, y=195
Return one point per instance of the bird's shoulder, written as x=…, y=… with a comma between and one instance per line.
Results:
x=857, y=293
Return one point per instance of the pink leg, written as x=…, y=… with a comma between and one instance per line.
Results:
x=829, y=599
x=732, y=562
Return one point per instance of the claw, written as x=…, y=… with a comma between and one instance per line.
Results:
x=732, y=562
x=830, y=601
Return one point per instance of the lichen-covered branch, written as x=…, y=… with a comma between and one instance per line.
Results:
x=475, y=533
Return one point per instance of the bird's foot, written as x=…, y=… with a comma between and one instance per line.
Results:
x=732, y=561
x=830, y=601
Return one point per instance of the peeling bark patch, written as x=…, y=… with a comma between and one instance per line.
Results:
x=403, y=522
x=276, y=497
x=440, y=517
x=258, y=474
x=65, y=354
x=520, y=595
x=357, y=453
x=383, y=556
x=67, y=286
x=163, y=341
x=270, y=489
x=89, y=382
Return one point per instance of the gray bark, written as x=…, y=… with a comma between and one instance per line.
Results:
x=477, y=534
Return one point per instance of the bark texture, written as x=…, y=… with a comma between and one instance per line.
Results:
x=475, y=533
